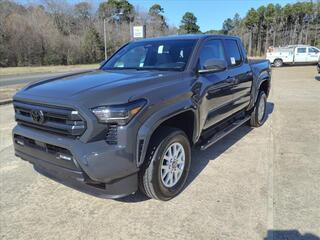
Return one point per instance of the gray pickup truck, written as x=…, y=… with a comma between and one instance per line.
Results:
x=131, y=124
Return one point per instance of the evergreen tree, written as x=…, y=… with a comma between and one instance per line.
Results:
x=93, y=46
x=189, y=24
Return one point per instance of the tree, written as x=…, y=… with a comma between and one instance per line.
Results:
x=236, y=20
x=156, y=10
x=261, y=11
x=269, y=22
x=189, y=24
x=227, y=26
x=93, y=46
x=237, y=26
x=212, y=31
x=158, y=22
x=116, y=10
x=251, y=21
x=278, y=22
x=58, y=32
x=82, y=10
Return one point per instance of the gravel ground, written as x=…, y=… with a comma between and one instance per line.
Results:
x=259, y=183
x=6, y=93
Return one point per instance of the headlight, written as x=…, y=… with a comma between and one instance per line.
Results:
x=120, y=114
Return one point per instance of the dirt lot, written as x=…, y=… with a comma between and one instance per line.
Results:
x=254, y=184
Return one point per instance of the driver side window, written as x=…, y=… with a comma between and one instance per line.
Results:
x=133, y=59
x=212, y=49
x=313, y=50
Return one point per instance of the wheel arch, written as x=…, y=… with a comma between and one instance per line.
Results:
x=263, y=82
x=265, y=86
x=184, y=119
x=277, y=58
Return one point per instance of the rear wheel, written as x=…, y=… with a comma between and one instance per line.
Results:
x=278, y=63
x=167, y=164
x=258, y=115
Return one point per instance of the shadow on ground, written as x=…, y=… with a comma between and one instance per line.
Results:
x=295, y=65
x=289, y=235
x=200, y=159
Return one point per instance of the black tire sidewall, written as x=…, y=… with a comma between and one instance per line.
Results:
x=162, y=191
x=262, y=97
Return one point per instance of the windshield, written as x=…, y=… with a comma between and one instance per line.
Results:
x=153, y=55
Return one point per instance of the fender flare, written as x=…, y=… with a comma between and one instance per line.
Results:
x=263, y=77
x=151, y=124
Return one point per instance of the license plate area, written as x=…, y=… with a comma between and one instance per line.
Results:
x=47, y=152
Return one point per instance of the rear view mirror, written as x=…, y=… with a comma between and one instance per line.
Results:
x=213, y=65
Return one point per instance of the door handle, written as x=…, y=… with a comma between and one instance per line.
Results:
x=230, y=80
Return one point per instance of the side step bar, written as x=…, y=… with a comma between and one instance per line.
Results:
x=216, y=137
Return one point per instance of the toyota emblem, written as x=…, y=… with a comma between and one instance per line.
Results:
x=37, y=116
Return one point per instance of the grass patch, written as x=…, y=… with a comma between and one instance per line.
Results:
x=45, y=69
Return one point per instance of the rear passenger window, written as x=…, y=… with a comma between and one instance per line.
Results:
x=233, y=53
x=302, y=50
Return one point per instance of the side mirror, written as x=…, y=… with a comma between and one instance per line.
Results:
x=213, y=65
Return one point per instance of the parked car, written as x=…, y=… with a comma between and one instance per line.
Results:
x=132, y=122
x=293, y=54
x=318, y=65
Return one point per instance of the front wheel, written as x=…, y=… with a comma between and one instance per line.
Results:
x=167, y=164
x=258, y=115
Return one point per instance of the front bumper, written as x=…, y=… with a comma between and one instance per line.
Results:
x=97, y=168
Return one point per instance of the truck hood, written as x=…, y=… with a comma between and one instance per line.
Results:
x=114, y=86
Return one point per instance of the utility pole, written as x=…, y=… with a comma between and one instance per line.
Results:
x=105, y=39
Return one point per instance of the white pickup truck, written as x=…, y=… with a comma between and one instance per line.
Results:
x=293, y=54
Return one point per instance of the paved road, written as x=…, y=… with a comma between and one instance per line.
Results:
x=27, y=78
x=254, y=184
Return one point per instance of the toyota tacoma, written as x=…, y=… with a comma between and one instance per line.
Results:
x=131, y=123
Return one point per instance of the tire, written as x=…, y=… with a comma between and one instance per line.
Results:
x=153, y=179
x=278, y=63
x=258, y=119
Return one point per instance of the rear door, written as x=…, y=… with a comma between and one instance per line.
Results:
x=313, y=55
x=300, y=55
x=239, y=70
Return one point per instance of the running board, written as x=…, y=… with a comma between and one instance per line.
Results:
x=216, y=137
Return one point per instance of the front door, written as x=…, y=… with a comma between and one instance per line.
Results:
x=313, y=55
x=217, y=86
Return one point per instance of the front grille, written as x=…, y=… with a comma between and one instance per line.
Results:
x=59, y=120
x=112, y=134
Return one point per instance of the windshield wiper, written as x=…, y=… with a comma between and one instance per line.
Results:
x=158, y=69
x=144, y=68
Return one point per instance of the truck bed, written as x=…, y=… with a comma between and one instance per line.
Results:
x=259, y=65
x=256, y=61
